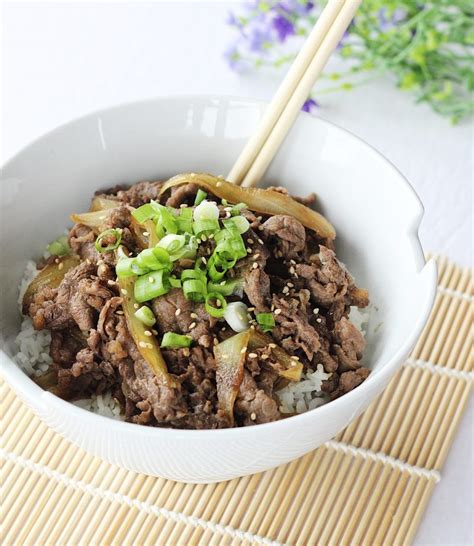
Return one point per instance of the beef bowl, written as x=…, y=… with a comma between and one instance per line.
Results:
x=376, y=215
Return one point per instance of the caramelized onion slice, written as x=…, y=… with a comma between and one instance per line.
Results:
x=230, y=358
x=259, y=200
x=147, y=345
x=102, y=203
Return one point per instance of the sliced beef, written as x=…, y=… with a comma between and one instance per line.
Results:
x=349, y=345
x=293, y=330
x=287, y=233
x=174, y=313
x=257, y=289
x=252, y=405
x=180, y=195
x=348, y=381
x=136, y=195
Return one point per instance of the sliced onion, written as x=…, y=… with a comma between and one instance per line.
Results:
x=236, y=315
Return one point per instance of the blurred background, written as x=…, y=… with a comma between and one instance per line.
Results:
x=402, y=80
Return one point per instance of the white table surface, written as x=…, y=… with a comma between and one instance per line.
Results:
x=62, y=60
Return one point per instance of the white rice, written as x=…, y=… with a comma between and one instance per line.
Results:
x=33, y=357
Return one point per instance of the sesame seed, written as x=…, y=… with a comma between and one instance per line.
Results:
x=219, y=184
x=253, y=416
x=183, y=206
x=119, y=312
x=294, y=357
x=259, y=218
x=218, y=303
x=148, y=333
x=177, y=312
x=264, y=357
x=254, y=265
x=260, y=228
x=227, y=214
x=110, y=282
x=252, y=327
x=272, y=307
x=142, y=344
x=249, y=251
x=243, y=350
x=146, y=233
x=272, y=345
x=215, y=341
x=250, y=241
x=60, y=266
x=203, y=238
x=193, y=315
x=286, y=290
x=253, y=355
x=292, y=270
x=155, y=332
x=256, y=256
x=151, y=279
x=123, y=291
x=149, y=345
x=319, y=320
x=210, y=236
x=277, y=311
x=192, y=325
x=136, y=306
x=316, y=310
x=56, y=260
x=260, y=241
x=223, y=329
x=251, y=309
x=204, y=260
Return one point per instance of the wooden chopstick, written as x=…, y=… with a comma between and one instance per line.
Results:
x=285, y=107
x=285, y=91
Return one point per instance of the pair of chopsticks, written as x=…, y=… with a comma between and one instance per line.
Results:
x=293, y=92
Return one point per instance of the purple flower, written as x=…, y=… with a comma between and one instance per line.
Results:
x=233, y=58
x=310, y=106
x=284, y=27
x=296, y=6
x=387, y=23
x=258, y=38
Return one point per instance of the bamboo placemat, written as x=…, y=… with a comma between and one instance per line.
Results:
x=368, y=486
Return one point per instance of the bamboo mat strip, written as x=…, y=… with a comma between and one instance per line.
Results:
x=370, y=485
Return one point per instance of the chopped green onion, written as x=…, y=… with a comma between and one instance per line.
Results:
x=174, y=282
x=224, y=202
x=124, y=268
x=137, y=270
x=145, y=315
x=165, y=220
x=215, y=269
x=172, y=243
x=232, y=287
x=266, y=321
x=185, y=221
x=236, y=316
x=194, y=289
x=175, y=341
x=216, y=312
x=239, y=223
x=192, y=274
x=150, y=286
x=206, y=210
x=238, y=208
x=116, y=233
x=205, y=226
x=59, y=247
x=145, y=212
x=200, y=196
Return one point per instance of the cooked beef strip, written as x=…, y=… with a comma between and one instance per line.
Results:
x=287, y=233
x=289, y=271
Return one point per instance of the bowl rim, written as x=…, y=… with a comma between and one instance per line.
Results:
x=21, y=382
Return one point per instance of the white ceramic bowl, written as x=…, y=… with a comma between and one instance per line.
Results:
x=375, y=211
